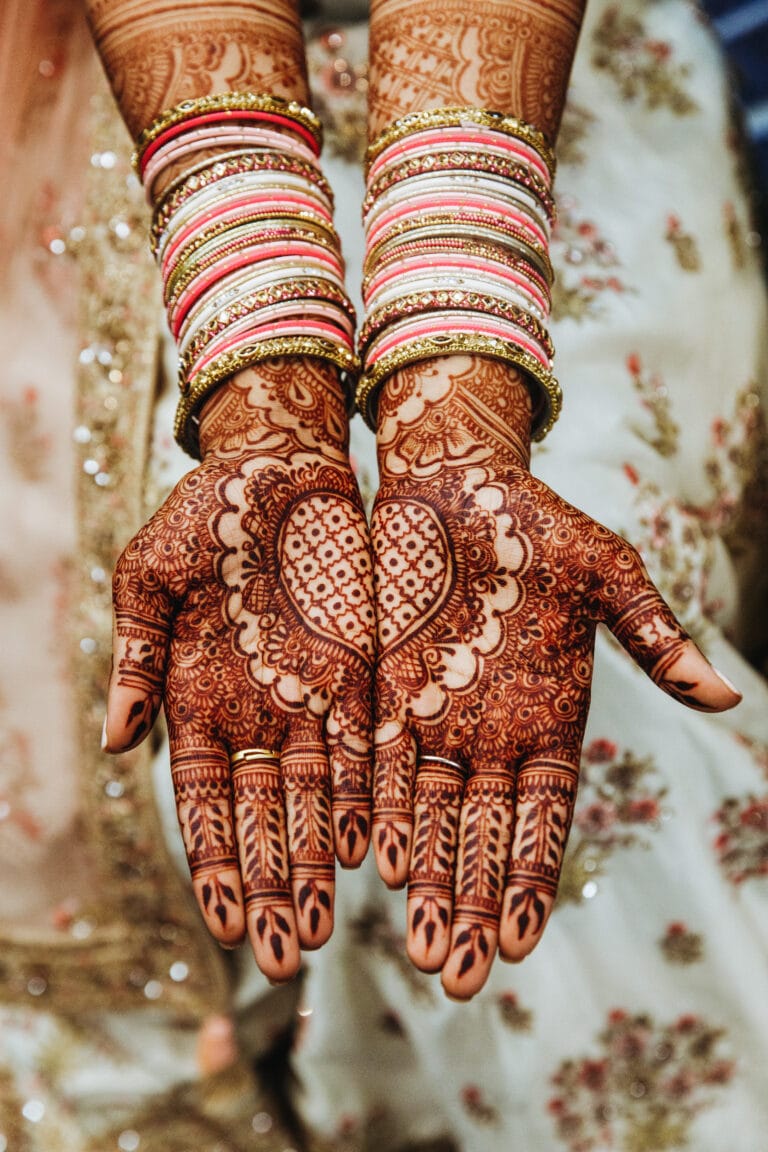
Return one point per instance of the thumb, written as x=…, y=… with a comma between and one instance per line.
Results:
x=143, y=611
x=645, y=625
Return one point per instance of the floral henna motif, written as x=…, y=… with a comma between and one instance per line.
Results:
x=246, y=603
x=464, y=52
x=160, y=52
x=490, y=588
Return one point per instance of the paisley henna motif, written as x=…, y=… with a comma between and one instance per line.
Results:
x=246, y=605
x=489, y=589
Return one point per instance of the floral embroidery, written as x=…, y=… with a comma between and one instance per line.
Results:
x=573, y=131
x=684, y=245
x=373, y=930
x=476, y=1106
x=644, y=1090
x=654, y=397
x=584, y=260
x=619, y=802
x=513, y=1014
x=681, y=946
x=641, y=66
x=742, y=845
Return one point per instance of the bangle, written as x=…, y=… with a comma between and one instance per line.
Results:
x=269, y=108
x=185, y=425
x=460, y=117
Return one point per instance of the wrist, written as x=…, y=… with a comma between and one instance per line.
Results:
x=280, y=406
x=453, y=410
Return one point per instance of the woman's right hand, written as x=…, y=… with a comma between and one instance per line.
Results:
x=245, y=606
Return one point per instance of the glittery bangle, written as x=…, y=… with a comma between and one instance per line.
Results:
x=230, y=102
x=192, y=263
x=219, y=170
x=292, y=290
x=185, y=426
x=419, y=303
x=457, y=161
x=469, y=224
x=547, y=396
x=456, y=117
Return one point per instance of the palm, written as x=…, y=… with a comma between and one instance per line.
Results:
x=489, y=589
x=256, y=577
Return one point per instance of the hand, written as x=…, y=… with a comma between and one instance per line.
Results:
x=245, y=605
x=489, y=588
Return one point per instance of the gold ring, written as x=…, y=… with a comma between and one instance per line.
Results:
x=254, y=756
x=441, y=760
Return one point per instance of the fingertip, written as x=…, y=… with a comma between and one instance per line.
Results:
x=392, y=850
x=693, y=681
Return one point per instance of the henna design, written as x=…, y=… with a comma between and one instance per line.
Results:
x=247, y=603
x=515, y=58
x=436, y=811
x=489, y=588
x=545, y=798
x=159, y=52
x=258, y=806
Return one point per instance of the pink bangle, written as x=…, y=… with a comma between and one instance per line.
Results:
x=470, y=208
x=295, y=327
x=216, y=278
x=202, y=139
x=431, y=325
x=443, y=138
x=217, y=118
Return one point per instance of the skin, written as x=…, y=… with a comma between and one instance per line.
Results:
x=230, y=610
x=489, y=587
x=245, y=607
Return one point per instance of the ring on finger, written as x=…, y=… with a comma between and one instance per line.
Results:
x=254, y=756
x=429, y=759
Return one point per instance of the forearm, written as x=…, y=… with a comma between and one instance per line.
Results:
x=461, y=201
x=157, y=53
x=254, y=230
x=512, y=57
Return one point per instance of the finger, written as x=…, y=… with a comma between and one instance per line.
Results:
x=351, y=774
x=307, y=784
x=436, y=811
x=393, y=803
x=142, y=615
x=643, y=623
x=545, y=797
x=202, y=789
x=484, y=841
x=261, y=836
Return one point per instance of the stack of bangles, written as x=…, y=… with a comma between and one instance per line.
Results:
x=458, y=212
x=250, y=261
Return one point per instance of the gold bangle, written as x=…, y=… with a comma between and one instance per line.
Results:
x=190, y=264
x=228, y=102
x=455, y=118
x=452, y=300
x=454, y=224
x=185, y=427
x=254, y=756
x=428, y=347
x=300, y=289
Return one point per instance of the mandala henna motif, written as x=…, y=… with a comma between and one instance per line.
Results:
x=247, y=603
x=490, y=589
